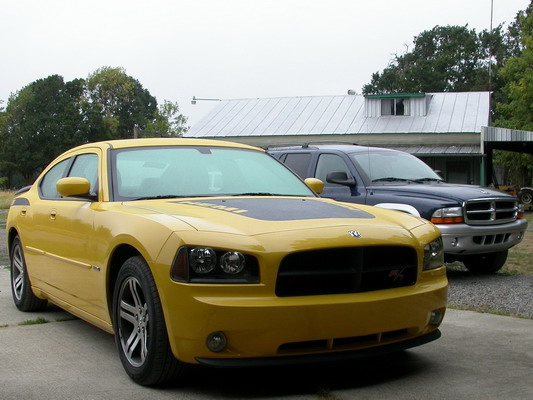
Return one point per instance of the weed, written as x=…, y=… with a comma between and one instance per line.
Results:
x=35, y=321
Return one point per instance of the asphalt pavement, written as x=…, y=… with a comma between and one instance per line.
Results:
x=479, y=356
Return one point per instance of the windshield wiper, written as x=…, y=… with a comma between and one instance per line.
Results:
x=256, y=194
x=390, y=179
x=163, y=196
x=428, y=180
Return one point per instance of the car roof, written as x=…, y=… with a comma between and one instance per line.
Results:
x=148, y=142
x=345, y=148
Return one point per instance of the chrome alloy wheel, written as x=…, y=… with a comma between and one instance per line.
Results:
x=17, y=272
x=133, y=322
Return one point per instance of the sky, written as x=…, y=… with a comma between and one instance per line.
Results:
x=224, y=49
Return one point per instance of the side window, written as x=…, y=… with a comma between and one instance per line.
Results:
x=86, y=166
x=299, y=163
x=330, y=163
x=48, y=183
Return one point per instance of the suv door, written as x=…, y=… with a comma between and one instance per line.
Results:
x=332, y=163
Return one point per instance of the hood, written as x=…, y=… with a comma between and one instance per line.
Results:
x=440, y=191
x=262, y=215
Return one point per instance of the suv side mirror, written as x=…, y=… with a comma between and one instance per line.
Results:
x=340, y=178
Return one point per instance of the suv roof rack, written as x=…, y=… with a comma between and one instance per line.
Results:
x=306, y=145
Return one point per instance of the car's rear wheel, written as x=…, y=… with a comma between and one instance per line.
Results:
x=23, y=296
x=485, y=263
x=140, y=330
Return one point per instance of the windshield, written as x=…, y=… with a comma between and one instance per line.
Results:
x=182, y=171
x=394, y=166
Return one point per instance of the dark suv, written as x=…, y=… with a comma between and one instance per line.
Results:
x=478, y=224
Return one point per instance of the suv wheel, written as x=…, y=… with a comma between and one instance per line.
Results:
x=485, y=263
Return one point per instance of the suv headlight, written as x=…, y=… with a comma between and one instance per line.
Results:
x=449, y=215
x=433, y=255
x=207, y=265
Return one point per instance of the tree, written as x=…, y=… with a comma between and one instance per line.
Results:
x=49, y=116
x=41, y=121
x=121, y=102
x=168, y=121
x=445, y=58
x=515, y=111
x=515, y=102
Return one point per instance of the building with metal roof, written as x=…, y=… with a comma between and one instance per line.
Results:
x=443, y=129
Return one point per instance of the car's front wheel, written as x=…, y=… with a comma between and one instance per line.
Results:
x=485, y=263
x=23, y=296
x=139, y=324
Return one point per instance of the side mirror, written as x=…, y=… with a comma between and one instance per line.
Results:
x=75, y=187
x=315, y=184
x=340, y=178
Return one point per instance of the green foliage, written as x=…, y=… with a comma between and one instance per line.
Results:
x=168, y=121
x=445, y=58
x=120, y=100
x=49, y=116
x=515, y=110
x=41, y=121
x=518, y=167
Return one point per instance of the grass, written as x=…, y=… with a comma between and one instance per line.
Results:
x=520, y=259
x=37, y=321
x=6, y=196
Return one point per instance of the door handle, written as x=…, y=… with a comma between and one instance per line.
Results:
x=53, y=215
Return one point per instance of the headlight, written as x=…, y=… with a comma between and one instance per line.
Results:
x=433, y=255
x=449, y=215
x=207, y=265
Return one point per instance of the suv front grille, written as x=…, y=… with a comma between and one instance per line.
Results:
x=490, y=211
x=346, y=270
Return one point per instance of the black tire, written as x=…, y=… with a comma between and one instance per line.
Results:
x=139, y=324
x=485, y=263
x=525, y=196
x=23, y=296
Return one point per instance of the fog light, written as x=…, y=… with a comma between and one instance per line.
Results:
x=455, y=242
x=216, y=342
x=435, y=318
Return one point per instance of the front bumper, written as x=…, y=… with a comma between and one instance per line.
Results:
x=323, y=357
x=463, y=239
x=264, y=328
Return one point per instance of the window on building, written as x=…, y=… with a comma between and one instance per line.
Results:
x=395, y=106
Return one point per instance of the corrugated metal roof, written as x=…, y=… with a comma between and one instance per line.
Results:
x=441, y=150
x=494, y=134
x=459, y=112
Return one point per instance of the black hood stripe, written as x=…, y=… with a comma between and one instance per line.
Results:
x=276, y=209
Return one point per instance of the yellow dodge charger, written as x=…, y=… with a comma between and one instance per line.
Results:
x=214, y=253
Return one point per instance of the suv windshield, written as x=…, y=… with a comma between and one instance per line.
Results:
x=183, y=171
x=391, y=166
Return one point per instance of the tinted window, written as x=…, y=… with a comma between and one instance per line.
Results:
x=48, y=183
x=86, y=166
x=330, y=163
x=393, y=165
x=200, y=171
x=299, y=163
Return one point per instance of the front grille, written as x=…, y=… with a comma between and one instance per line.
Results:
x=490, y=211
x=348, y=343
x=346, y=270
x=489, y=240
